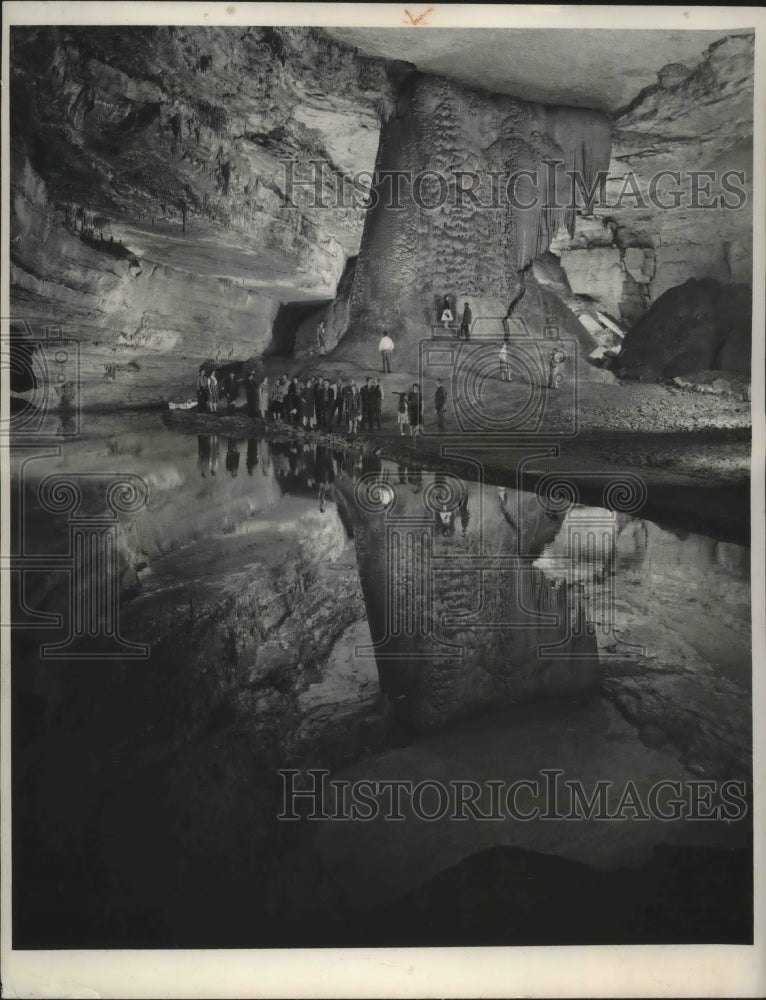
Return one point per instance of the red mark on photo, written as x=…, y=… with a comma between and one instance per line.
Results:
x=418, y=21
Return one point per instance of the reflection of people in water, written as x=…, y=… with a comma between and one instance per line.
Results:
x=214, y=450
x=416, y=479
x=264, y=457
x=402, y=470
x=232, y=457
x=325, y=472
x=203, y=453
x=444, y=516
x=371, y=461
x=464, y=514
x=252, y=455
x=446, y=521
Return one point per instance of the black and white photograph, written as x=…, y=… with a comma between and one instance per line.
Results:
x=382, y=443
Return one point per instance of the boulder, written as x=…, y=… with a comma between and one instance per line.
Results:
x=702, y=324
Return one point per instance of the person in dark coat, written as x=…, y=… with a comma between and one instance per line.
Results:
x=308, y=405
x=366, y=403
x=252, y=396
x=376, y=394
x=465, y=323
x=230, y=391
x=293, y=409
x=339, y=401
x=325, y=403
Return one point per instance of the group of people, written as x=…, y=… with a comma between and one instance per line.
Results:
x=210, y=390
x=321, y=403
x=316, y=402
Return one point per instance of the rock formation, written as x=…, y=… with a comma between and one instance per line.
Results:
x=693, y=327
x=451, y=640
x=655, y=230
x=444, y=241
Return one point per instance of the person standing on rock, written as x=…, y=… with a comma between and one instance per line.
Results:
x=377, y=403
x=203, y=394
x=353, y=401
x=366, y=403
x=325, y=404
x=402, y=413
x=321, y=339
x=505, y=363
x=251, y=395
x=446, y=317
x=231, y=391
x=440, y=403
x=340, y=402
x=465, y=323
x=263, y=397
x=212, y=392
x=385, y=347
x=308, y=405
x=415, y=408
x=556, y=361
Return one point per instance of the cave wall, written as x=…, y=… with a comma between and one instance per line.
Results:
x=141, y=328
x=151, y=216
x=696, y=118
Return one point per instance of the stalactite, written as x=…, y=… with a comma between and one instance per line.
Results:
x=584, y=140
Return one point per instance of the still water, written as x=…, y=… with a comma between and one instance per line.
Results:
x=237, y=606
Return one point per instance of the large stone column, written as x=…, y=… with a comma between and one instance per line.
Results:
x=458, y=149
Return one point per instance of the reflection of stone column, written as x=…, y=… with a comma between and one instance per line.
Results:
x=94, y=592
x=408, y=601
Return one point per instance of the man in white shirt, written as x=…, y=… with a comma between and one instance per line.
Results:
x=385, y=347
